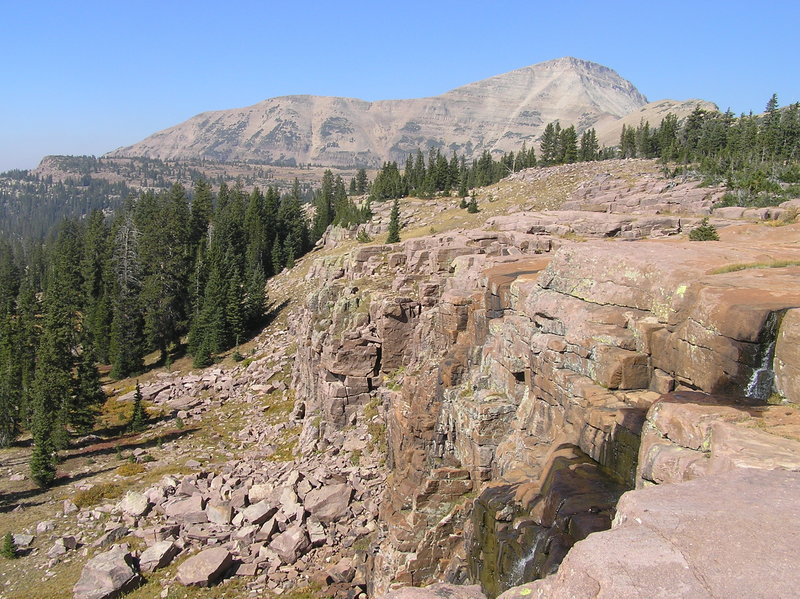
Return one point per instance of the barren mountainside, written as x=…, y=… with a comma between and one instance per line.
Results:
x=496, y=114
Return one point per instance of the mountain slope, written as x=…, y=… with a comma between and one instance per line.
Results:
x=495, y=114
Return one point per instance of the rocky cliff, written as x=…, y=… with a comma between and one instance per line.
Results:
x=496, y=114
x=523, y=381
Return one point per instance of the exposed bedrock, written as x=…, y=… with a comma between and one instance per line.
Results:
x=517, y=377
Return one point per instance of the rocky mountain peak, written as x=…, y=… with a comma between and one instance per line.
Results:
x=496, y=114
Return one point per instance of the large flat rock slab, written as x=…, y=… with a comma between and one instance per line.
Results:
x=728, y=536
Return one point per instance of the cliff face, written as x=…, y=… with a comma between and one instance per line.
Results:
x=496, y=114
x=523, y=383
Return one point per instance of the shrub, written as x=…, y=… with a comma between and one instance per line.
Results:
x=96, y=494
x=363, y=236
x=704, y=232
x=130, y=469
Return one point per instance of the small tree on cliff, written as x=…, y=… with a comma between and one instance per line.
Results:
x=394, y=224
x=704, y=232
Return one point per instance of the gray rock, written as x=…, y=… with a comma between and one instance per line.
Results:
x=158, y=556
x=290, y=544
x=45, y=526
x=220, y=513
x=111, y=536
x=328, y=503
x=134, y=504
x=192, y=508
x=259, y=512
x=107, y=575
x=22, y=541
x=438, y=591
x=259, y=492
x=205, y=568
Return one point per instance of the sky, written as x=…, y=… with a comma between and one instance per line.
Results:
x=86, y=77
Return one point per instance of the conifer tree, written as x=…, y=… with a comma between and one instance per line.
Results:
x=472, y=205
x=361, y=181
x=126, y=343
x=201, y=210
x=394, y=224
x=138, y=416
x=568, y=145
x=8, y=549
x=164, y=255
x=323, y=205
x=549, y=145
x=87, y=394
x=10, y=393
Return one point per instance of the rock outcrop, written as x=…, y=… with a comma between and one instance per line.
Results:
x=524, y=378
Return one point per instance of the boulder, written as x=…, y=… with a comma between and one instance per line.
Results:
x=158, y=556
x=259, y=512
x=259, y=492
x=111, y=536
x=187, y=509
x=220, y=513
x=205, y=568
x=107, y=575
x=22, y=541
x=134, y=504
x=290, y=544
x=328, y=503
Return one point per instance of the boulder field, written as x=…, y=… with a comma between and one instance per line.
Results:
x=604, y=418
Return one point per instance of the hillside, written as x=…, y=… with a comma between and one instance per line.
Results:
x=496, y=114
x=472, y=405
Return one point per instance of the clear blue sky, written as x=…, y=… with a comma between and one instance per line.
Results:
x=86, y=77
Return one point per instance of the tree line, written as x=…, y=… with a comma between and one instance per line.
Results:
x=756, y=156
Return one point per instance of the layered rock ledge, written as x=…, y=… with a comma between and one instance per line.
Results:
x=522, y=380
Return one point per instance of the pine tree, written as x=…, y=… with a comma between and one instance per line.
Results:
x=568, y=145
x=549, y=145
x=87, y=393
x=472, y=205
x=361, y=181
x=394, y=224
x=126, y=343
x=164, y=255
x=9, y=548
x=323, y=205
x=201, y=210
x=589, y=147
x=42, y=464
x=138, y=416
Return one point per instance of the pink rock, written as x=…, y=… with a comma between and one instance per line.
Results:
x=205, y=568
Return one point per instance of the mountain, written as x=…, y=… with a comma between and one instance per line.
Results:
x=495, y=114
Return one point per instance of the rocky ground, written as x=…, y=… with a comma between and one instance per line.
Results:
x=214, y=490
x=464, y=406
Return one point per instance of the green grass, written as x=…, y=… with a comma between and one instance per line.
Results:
x=752, y=265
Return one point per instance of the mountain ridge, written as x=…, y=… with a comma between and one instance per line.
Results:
x=496, y=114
